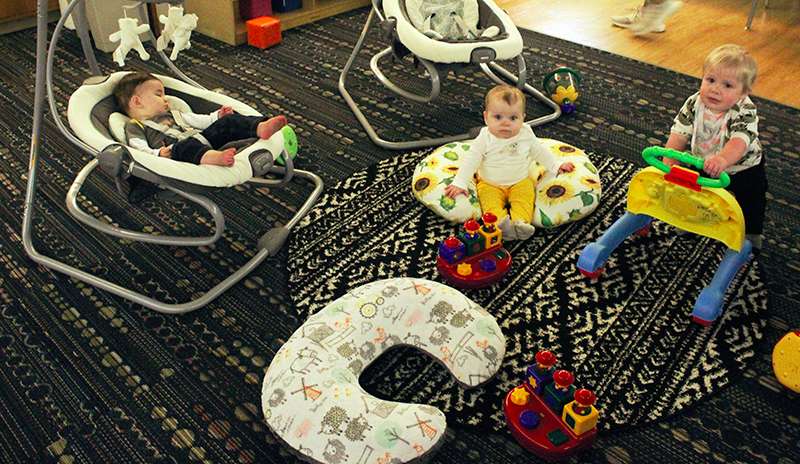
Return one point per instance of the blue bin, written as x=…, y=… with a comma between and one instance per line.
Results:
x=282, y=6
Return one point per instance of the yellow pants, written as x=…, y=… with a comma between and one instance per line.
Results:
x=519, y=198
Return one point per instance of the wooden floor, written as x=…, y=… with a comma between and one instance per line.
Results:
x=691, y=33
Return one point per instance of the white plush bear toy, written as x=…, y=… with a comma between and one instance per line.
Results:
x=177, y=28
x=181, y=36
x=170, y=23
x=128, y=38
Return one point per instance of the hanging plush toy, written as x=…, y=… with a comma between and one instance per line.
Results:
x=180, y=38
x=170, y=23
x=128, y=38
x=177, y=28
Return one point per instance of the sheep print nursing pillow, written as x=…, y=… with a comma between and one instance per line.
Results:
x=311, y=397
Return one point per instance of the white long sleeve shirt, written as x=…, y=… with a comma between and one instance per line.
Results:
x=163, y=130
x=503, y=162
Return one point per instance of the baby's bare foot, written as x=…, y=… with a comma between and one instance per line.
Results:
x=219, y=158
x=267, y=128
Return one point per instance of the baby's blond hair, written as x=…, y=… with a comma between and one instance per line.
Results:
x=734, y=57
x=507, y=93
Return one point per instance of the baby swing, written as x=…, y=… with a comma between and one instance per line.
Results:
x=96, y=126
x=443, y=36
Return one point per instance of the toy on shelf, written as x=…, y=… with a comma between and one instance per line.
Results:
x=547, y=415
x=562, y=85
x=476, y=257
x=786, y=360
x=687, y=201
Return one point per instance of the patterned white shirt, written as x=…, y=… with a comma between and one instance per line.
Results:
x=708, y=136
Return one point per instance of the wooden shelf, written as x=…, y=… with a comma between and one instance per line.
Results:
x=11, y=10
x=228, y=26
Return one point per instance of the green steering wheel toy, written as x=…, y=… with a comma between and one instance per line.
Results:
x=653, y=157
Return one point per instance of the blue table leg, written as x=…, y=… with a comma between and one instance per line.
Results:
x=596, y=253
x=708, y=306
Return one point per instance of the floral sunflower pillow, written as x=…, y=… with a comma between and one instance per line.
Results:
x=567, y=197
x=559, y=200
x=435, y=172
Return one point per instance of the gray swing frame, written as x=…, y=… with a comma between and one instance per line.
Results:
x=485, y=62
x=268, y=244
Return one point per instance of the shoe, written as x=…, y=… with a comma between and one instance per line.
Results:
x=523, y=230
x=508, y=230
x=628, y=20
x=653, y=16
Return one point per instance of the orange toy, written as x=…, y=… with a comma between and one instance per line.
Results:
x=264, y=31
x=786, y=360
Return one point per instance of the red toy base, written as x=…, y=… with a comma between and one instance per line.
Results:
x=535, y=440
x=478, y=278
x=702, y=322
x=592, y=275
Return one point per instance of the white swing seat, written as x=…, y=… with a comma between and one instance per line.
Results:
x=95, y=118
x=479, y=15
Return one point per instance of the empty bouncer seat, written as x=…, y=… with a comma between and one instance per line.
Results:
x=444, y=36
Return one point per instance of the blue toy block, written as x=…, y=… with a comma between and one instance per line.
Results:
x=529, y=419
x=708, y=306
x=542, y=378
x=556, y=399
x=474, y=243
x=452, y=255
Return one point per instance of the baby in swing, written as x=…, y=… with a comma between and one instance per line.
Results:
x=193, y=138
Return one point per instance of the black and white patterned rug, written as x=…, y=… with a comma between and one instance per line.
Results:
x=628, y=336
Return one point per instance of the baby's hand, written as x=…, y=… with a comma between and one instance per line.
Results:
x=715, y=165
x=452, y=191
x=669, y=161
x=224, y=111
x=165, y=152
x=566, y=167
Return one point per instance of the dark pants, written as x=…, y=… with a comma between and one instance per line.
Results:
x=228, y=129
x=750, y=189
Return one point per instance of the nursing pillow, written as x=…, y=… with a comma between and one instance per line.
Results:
x=311, y=397
x=559, y=199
